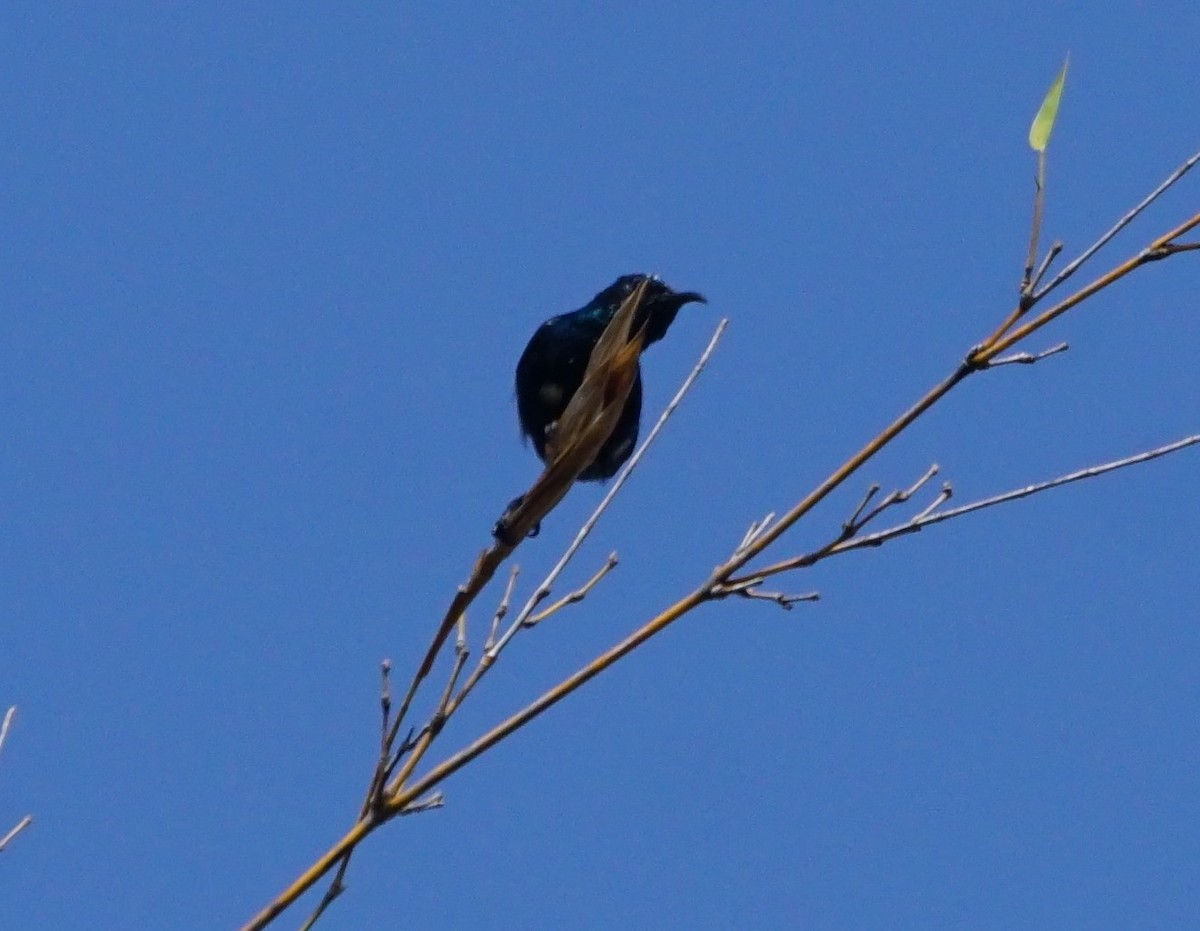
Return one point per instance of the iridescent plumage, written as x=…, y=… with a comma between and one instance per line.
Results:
x=552, y=366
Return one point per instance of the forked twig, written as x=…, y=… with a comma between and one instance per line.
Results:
x=1039, y=199
x=928, y=518
x=502, y=608
x=431, y=801
x=744, y=584
x=1025, y=358
x=943, y=496
x=1045, y=266
x=930, y=515
x=757, y=527
x=783, y=599
x=576, y=596
x=857, y=522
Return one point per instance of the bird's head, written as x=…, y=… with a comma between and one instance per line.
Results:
x=660, y=302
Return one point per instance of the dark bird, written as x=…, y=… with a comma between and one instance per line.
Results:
x=552, y=366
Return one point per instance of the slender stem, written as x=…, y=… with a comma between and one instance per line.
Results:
x=1036, y=227
x=11, y=835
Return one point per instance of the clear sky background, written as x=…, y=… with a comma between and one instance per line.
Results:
x=267, y=272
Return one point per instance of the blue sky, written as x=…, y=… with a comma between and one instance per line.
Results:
x=267, y=274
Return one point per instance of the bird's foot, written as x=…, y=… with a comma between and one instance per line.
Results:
x=502, y=530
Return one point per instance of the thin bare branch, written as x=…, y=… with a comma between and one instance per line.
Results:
x=1039, y=199
x=410, y=742
x=8, y=719
x=373, y=797
x=431, y=801
x=737, y=585
x=893, y=499
x=1046, y=263
x=1025, y=358
x=11, y=835
x=385, y=704
x=578, y=595
x=943, y=496
x=460, y=639
x=385, y=730
x=336, y=888
x=502, y=608
x=849, y=525
x=756, y=527
x=1175, y=248
x=460, y=660
x=784, y=600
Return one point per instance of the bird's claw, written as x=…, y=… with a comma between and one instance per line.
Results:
x=501, y=530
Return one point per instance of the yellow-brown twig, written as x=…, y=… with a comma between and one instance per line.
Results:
x=576, y=596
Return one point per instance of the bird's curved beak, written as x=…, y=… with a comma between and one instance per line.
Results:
x=690, y=297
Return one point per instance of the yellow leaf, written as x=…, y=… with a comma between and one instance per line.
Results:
x=1043, y=123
